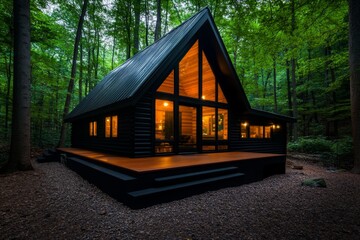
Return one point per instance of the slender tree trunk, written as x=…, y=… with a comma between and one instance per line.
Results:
x=147, y=23
x=73, y=73
x=274, y=77
x=166, y=17
x=158, y=20
x=293, y=74
x=128, y=30
x=81, y=72
x=20, y=132
x=136, y=26
x=113, y=53
x=354, y=48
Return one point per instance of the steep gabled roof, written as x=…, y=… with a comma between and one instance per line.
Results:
x=124, y=85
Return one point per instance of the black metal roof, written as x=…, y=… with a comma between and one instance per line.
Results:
x=128, y=82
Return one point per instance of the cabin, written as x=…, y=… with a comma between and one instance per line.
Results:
x=178, y=98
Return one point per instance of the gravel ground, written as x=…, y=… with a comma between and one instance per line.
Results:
x=54, y=202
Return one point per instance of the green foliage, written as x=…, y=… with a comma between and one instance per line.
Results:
x=310, y=145
x=258, y=35
x=336, y=152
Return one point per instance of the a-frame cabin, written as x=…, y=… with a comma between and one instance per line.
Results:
x=181, y=95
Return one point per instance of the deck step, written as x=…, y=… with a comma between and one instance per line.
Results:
x=151, y=191
x=110, y=172
x=194, y=174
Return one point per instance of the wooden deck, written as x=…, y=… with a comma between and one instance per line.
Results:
x=158, y=163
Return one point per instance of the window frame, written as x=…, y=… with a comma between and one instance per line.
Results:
x=109, y=133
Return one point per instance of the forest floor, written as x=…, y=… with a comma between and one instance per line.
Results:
x=53, y=202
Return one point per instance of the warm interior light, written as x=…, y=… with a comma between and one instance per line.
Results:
x=203, y=97
x=277, y=126
x=245, y=124
x=166, y=104
x=273, y=126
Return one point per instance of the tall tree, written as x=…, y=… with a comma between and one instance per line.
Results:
x=73, y=73
x=158, y=20
x=354, y=48
x=20, y=132
x=137, y=26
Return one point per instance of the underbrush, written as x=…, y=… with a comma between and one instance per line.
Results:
x=332, y=152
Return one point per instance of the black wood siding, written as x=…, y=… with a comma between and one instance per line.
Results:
x=143, y=127
x=122, y=144
x=275, y=144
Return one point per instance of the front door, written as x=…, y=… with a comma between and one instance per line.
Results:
x=187, y=129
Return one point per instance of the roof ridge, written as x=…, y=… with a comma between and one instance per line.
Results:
x=172, y=30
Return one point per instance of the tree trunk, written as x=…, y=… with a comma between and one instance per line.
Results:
x=128, y=30
x=81, y=72
x=166, y=17
x=288, y=83
x=147, y=23
x=136, y=26
x=158, y=20
x=113, y=53
x=293, y=74
x=274, y=77
x=20, y=132
x=73, y=73
x=354, y=48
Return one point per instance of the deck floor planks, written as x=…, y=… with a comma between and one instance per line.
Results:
x=156, y=163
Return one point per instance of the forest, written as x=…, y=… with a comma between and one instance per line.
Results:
x=292, y=58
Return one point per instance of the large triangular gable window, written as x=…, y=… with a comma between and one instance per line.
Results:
x=189, y=78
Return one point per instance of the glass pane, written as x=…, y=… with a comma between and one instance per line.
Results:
x=164, y=126
x=244, y=133
x=114, y=126
x=168, y=84
x=267, y=132
x=208, y=123
x=221, y=97
x=107, y=127
x=187, y=128
x=164, y=120
x=189, y=73
x=91, y=129
x=256, y=132
x=222, y=124
x=208, y=80
x=94, y=128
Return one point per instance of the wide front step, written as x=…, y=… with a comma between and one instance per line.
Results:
x=194, y=175
x=149, y=192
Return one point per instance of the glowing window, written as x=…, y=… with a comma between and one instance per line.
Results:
x=189, y=73
x=111, y=126
x=114, y=126
x=256, y=131
x=222, y=124
x=208, y=80
x=168, y=85
x=267, y=132
x=164, y=126
x=208, y=123
x=244, y=132
x=221, y=96
x=107, y=126
x=93, y=128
